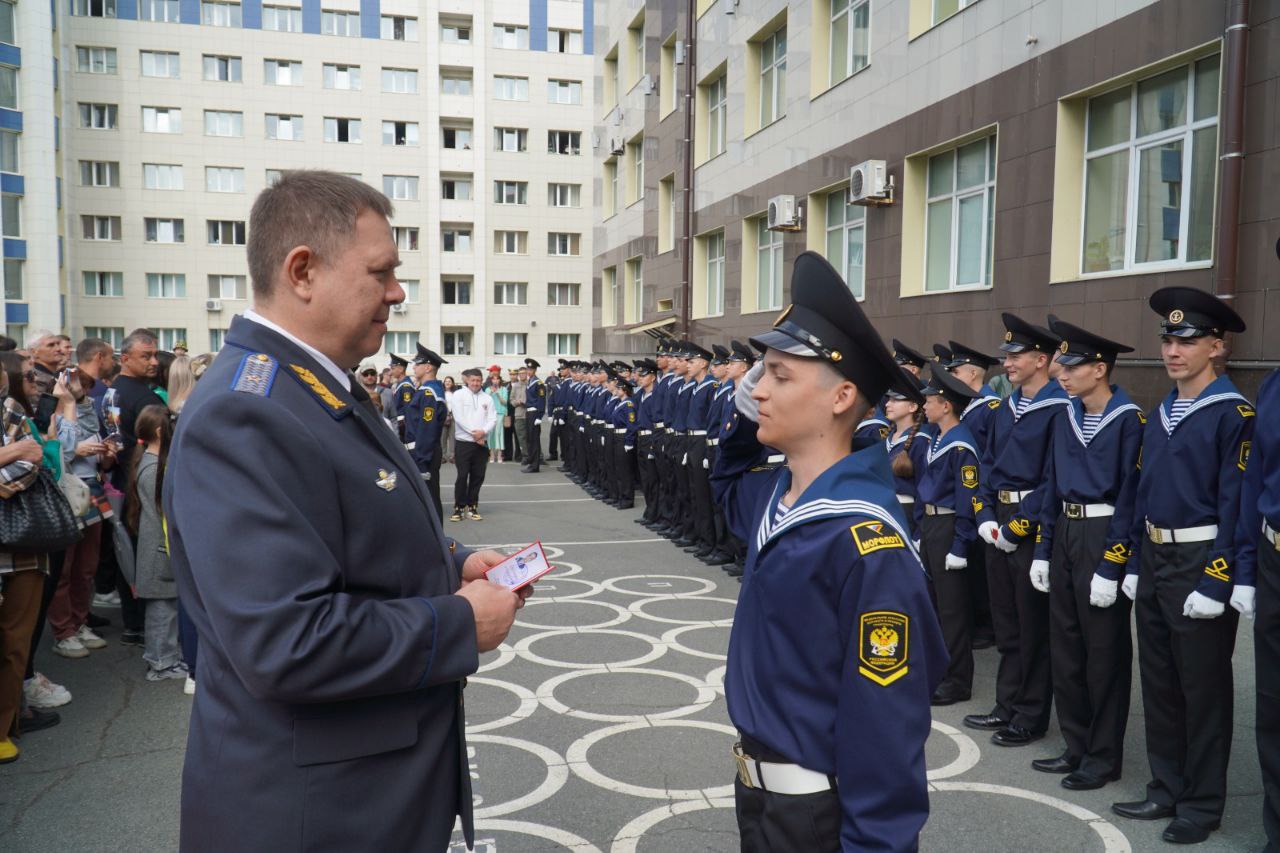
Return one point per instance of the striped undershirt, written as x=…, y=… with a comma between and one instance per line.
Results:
x=1177, y=410
x=780, y=513
x=1020, y=407
x=1090, y=425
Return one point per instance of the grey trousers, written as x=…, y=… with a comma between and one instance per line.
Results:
x=161, y=648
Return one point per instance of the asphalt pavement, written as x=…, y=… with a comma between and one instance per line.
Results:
x=599, y=726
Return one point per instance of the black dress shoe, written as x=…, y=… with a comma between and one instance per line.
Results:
x=946, y=696
x=35, y=720
x=717, y=558
x=1015, y=735
x=702, y=553
x=1082, y=781
x=626, y=505
x=985, y=721
x=682, y=542
x=1184, y=831
x=734, y=572
x=1062, y=764
x=1142, y=810
x=983, y=641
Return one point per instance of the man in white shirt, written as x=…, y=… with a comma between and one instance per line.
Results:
x=473, y=418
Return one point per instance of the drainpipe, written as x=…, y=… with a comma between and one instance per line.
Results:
x=1235, y=53
x=686, y=237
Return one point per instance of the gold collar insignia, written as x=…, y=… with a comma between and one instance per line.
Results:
x=318, y=388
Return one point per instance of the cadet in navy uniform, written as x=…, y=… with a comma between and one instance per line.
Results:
x=948, y=488
x=1081, y=554
x=646, y=465
x=535, y=407
x=908, y=359
x=835, y=648
x=1194, y=451
x=703, y=528
x=907, y=447
x=1012, y=493
x=624, y=425
x=1258, y=584
x=424, y=421
x=402, y=390
x=941, y=354
x=739, y=358
x=333, y=644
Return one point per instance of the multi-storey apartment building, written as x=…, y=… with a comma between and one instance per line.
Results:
x=1065, y=156
x=474, y=119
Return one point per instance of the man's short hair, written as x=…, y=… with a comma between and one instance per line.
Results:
x=136, y=337
x=472, y=371
x=7, y=344
x=88, y=349
x=310, y=208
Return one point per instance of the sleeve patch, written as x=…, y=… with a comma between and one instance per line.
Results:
x=977, y=505
x=1019, y=526
x=407, y=396
x=994, y=404
x=1245, y=410
x=428, y=414
x=1118, y=554
x=1219, y=569
x=969, y=476
x=256, y=374
x=1245, y=448
x=882, y=646
x=884, y=432
x=871, y=536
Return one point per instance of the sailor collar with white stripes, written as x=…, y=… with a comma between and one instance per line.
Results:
x=1219, y=390
x=871, y=421
x=985, y=396
x=1116, y=406
x=942, y=444
x=1050, y=395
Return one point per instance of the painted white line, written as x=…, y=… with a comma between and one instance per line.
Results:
x=578, y=763
x=528, y=485
x=629, y=836
x=563, y=837
x=967, y=759
x=557, y=775
x=563, y=544
x=546, y=501
x=547, y=696
x=1113, y=841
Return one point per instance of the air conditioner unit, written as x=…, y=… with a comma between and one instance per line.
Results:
x=617, y=144
x=614, y=119
x=868, y=184
x=679, y=53
x=399, y=308
x=731, y=7
x=784, y=215
x=213, y=305
x=646, y=85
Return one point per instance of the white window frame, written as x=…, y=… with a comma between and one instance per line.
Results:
x=635, y=266
x=773, y=68
x=569, y=241
x=99, y=116
x=406, y=26
x=224, y=179
x=460, y=236
x=218, y=14
x=456, y=85
x=456, y=341
x=160, y=63
x=568, y=92
x=573, y=138
x=845, y=230
x=400, y=81
x=113, y=335
x=563, y=343
x=339, y=22
x=226, y=232
x=103, y=285
x=564, y=41
x=228, y=287
x=455, y=33
x=223, y=123
x=564, y=294
x=714, y=244
x=166, y=285
x=282, y=72
x=769, y=271
x=509, y=242
x=412, y=290
x=162, y=120
x=162, y=176
x=233, y=65
x=155, y=229
x=337, y=127
x=986, y=189
x=843, y=15
x=99, y=229
x=160, y=11
x=510, y=37
x=281, y=19
x=100, y=173
x=274, y=121
x=507, y=87
x=401, y=342
x=405, y=237
x=960, y=7
x=391, y=133
x=510, y=192
x=340, y=77
x=458, y=133
x=459, y=286
x=510, y=343
x=505, y=136
x=564, y=195
x=400, y=187
x=94, y=60
x=717, y=116
x=511, y=293
x=169, y=337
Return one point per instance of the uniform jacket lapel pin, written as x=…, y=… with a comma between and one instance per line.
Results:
x=386, y=479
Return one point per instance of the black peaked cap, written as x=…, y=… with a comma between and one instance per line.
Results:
x=1021, y=336
x=1188, y=312
x=1080, y=345
x=904, y=354
x=952, y=389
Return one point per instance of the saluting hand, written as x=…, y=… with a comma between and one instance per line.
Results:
x=494, y=608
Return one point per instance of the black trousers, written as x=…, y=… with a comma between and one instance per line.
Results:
x=951, y=595
x=432, y=481
x=472, y=460
x=1266, y=649
x=624, y=462
x=668, y=458
x=647, y=467
x=1185, y=665
x=781, y=823
x=701, y=512
x=1020, y=615
x=553, y=439
x=1091, y=650
x=532, y=442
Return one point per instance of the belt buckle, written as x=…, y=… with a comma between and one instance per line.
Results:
x=1154, y=534
x=1073, y=511
x=1003, y=496
x=741, y=759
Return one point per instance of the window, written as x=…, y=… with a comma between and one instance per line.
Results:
x=412, y=290
x=511, y=242
x=335, y=22
x=6, y=23
x=281, y=72
x=103, y=283
x=847, y=240
x=166, y=285
x=399, y=28
x=509, y=37
x=612, y=89
x=406, y=238
x=960, y=216
x=562, y=344
x=161, y=176
x=564, y=142
x=1150, y=171
x=218, y=123
x=401, y=81
x=94, y=8
x=635, y=160
x=510, y=192
x=510, y=293
x=8, y=87
x=455, y=83
x=113, y=335
x=399, y=133
x=284, y=127
x=400, y=341
x=768, y=267
x=98, y=116
x=345, y=77
x=11, y=215
x=13, y=289
x=715, y=273
x=943, y=9
x=224, y=69
x=455, y=187
x=634, y=309
x=159, y=64
x=510, y=139
x=510, y=88
x=564, y=92
x=455, y=238
x=283, y=19
x=849, y=44
x=400, y=187
x=611, y=298
x=564, y=41
x=455, y=291
x=667, y=214
x=169, y=338
x=341, y=130
x=161, y=120
x=226, y=232
x=227, y=287
x=164, y=230
x=456, y=342
x=667, y=77
x=564, y=195
x=100, y=227
x=455, y=33
x=563, y=243
x=216, y=337
x=717, y=115
x=98, y=173
x=635, y=50
x=9, y=159
x=456, y=138
x=773, y=77
x=162, y=11
x=224, y=179
x=613, y=195
x=273, y=176
x=94, y=60
x=509, y=343
x=563, y=293
x=214, y=14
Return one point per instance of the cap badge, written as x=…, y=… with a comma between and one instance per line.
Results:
x=1008, y=336
x=783, y=315
x=386, y=479
x=835, y=355
x=1176, y=315
x=1063, y=347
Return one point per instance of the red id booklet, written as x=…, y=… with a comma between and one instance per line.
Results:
x=521, y=568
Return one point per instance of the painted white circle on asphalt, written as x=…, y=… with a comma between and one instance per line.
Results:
x=968, y=758
x=1113, y=840
x=506, y=654
x=716, y=678
x=629, y=836
x=672, y=639
x=546, y=695
x=638, y=608
x=528, y=704
x=620, y=614
x=549, y=587
x=524, y=649
x=557, y=775
x=578, y=763
x=662, y=586
x=562, y=837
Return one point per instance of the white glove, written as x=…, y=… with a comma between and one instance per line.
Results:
x=1242, y=599
x=742, y=394
x=628, y=449
x=1102, y=592
x=953, y=563
x=1039, y=574
x=684, y=460
x=1004, y=544
x=706, y=464
x=989, y=531
x=537, y=421
x=915, y=543
x=1130, y=586
x=1202, y=607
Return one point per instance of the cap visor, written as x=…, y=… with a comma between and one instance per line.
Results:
x=782, y=342
x=1071, y=360
x=1014, y=347
x=1184, y=332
